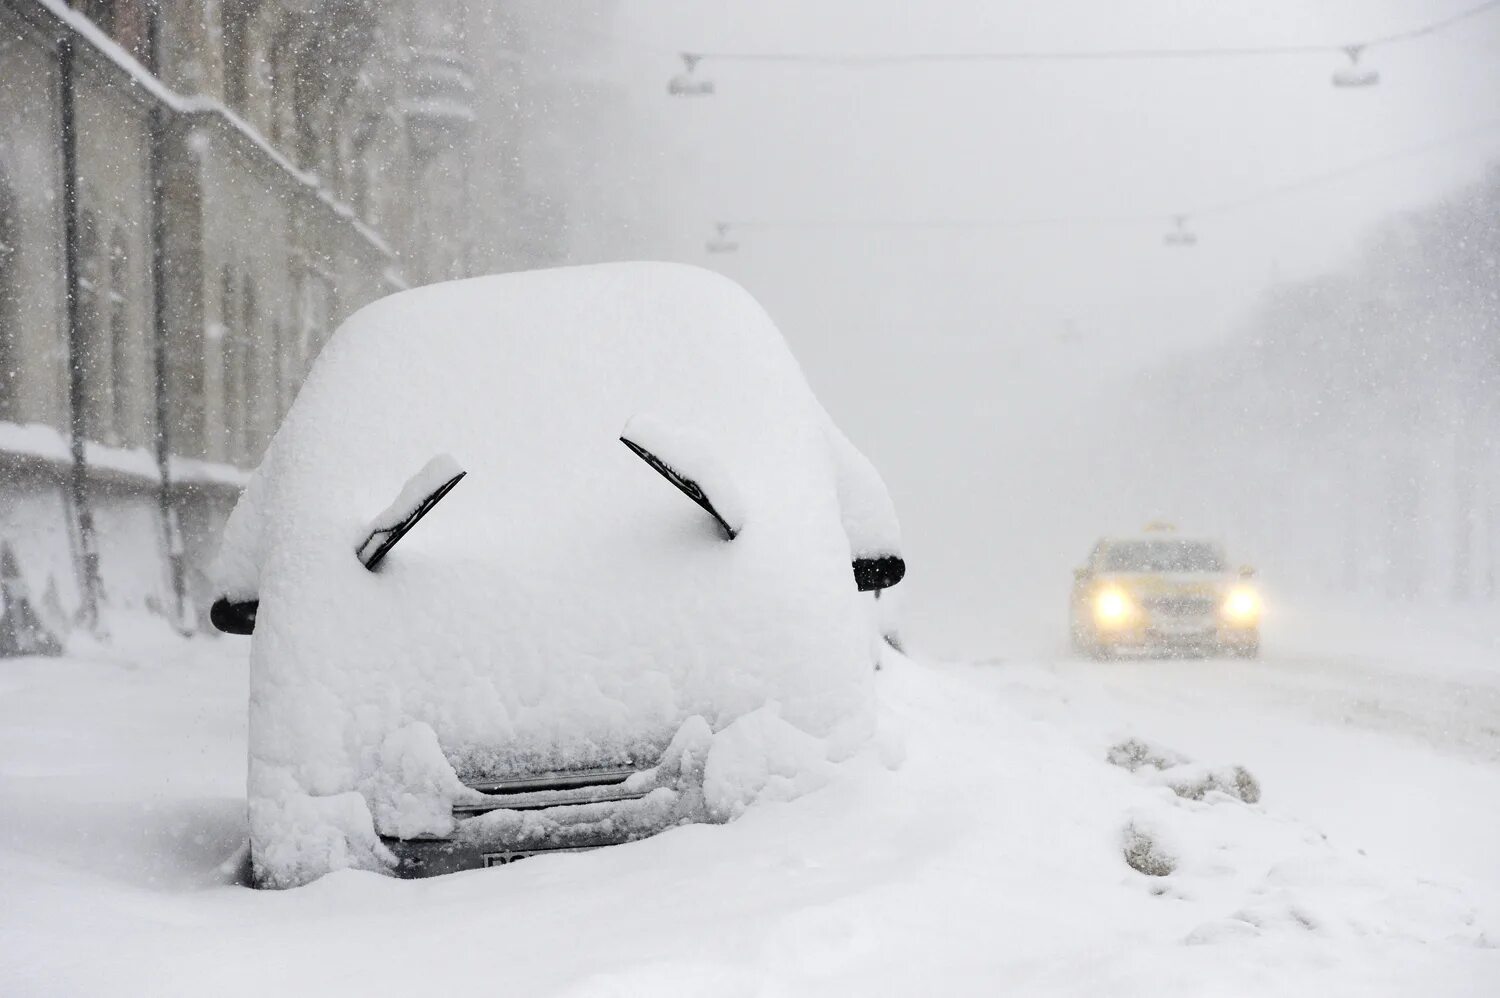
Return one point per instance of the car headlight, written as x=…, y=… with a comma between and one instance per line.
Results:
x=1242, y=605
x=1112, y=607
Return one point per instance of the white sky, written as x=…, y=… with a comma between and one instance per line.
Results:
x=940, y=351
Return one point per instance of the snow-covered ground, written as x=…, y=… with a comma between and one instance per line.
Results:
x=981, y=849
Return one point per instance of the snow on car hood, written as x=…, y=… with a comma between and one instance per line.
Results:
x=564, y=605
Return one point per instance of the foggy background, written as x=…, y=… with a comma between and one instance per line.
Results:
x=1026, y=389
x=968, y=258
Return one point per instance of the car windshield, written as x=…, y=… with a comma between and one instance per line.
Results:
x=1163, y=556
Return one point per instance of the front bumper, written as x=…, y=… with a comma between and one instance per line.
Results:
x=435, y=857
x=523, y=821
x=1180, y=637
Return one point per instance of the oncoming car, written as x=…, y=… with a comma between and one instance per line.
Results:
x=1160, y=593
x=545, y=562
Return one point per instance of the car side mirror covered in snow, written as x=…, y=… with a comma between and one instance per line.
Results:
x=878, y=573
x=869, y=517
x=234, y=616
x=686, y=460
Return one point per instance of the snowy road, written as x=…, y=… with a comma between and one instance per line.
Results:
x=976, y=849
x=1394, y=748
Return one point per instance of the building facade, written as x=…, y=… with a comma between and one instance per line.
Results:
x=193, y=193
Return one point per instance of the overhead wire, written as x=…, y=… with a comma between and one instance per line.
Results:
x=938, y=223
x=877, y=59
x=870, y=60
x=1255, y=197
x=1434, y=26
x=1340, y=173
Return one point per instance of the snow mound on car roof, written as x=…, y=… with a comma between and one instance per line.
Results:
x=564, y=605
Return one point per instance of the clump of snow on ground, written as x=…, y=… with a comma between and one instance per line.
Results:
x=1197, y=782
x=1146, y=851
x=1164, y=767
x=1198, y=833
x=1134, y=754
x=1257, y=873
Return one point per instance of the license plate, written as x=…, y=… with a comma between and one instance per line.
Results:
x=513, y=855
x=1184, y=628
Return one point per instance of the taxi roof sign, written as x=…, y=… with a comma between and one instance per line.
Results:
x=1159, y=527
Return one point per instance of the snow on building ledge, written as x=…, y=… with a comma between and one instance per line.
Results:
x=83, y=27
x=34, y=441
x=39, y=444
x=123, y=463
x=190, y=471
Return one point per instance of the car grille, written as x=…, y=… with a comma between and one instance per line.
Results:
x=584, y=808
x=1180, y=606
x=536, y=793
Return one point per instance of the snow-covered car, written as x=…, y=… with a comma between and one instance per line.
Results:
x=1162, y=593
x=483, y=628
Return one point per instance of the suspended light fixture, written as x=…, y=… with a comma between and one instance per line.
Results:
x=1354, y=75
x=688, y=84
x=721, y=243
x=1180, y=235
